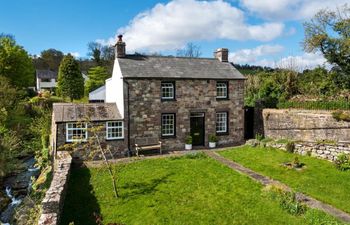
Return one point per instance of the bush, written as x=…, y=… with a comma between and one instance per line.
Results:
x=290, y=147
x=287, y=199
x=343, y=162
x=341, y=116
x=188, y=140
x=321, y=104
x=213, y=138
x=259, y=137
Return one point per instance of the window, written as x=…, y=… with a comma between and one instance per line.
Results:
x=221, y=90
x=168, y=124
x=221, y=122
x=168, y=91
x=76, y=132
x=45, y=80
x=114, y=130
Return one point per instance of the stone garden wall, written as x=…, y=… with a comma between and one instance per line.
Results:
x=53, y=202
x=323, y=151
x=305, y=125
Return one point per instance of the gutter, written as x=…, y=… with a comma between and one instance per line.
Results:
x=128, y=116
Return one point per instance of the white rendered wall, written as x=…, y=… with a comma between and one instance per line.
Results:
x=41, y=85
x=114, y=88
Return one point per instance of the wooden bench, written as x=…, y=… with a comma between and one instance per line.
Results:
x=142, y=144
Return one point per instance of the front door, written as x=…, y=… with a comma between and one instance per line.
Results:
x=197, y=129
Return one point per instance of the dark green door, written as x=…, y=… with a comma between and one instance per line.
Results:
x=197, y=129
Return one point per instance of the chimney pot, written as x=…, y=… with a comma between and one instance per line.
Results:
x=221, y=54
x=120, y=47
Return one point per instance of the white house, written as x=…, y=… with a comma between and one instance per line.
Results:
x=98, y=95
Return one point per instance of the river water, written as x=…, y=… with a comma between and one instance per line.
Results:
x=17, y=187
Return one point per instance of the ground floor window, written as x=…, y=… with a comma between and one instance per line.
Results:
x=114, y=130
x=76, y=132
x=168, y=124
x=221, y=122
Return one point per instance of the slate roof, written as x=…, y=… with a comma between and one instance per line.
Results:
x=70, y=112
x=140, y=66
x=46, y=74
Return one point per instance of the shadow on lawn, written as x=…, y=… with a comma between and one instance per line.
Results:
x=80, y=203
x=135, y=189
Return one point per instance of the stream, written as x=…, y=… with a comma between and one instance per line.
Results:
x=17, y=187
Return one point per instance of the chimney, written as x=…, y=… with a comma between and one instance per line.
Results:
x=221, y=54
x=120, y=47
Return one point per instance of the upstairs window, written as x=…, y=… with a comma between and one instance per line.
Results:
x=76, y=132
x=45, y=80
x=221, y=122
x=221, y=90
x=168, y=124
x=168, y=90
x=114, y=130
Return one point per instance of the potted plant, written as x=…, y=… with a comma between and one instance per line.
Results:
x=212, y=141
x=188, y=143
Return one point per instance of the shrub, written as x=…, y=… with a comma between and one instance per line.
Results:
x=188, y=140
x=343, y=162
x=290, y=146
x=341, y=116
x=259, y=137
x=287, y=199
x=213, y=138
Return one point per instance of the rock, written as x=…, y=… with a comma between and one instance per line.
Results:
x=4, y=201
x=252, y=142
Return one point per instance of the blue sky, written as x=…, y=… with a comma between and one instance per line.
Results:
x=262, y=32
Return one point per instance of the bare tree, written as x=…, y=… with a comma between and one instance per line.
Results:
x=190, y=50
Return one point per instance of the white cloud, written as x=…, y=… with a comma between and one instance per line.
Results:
x=172, y=25
x=300, y=62
x=289, y=9
x=75, y=54
x=250, y=56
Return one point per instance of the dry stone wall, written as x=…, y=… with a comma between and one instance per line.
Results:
x=305, y=125
x=52, y=203
x=323, y=151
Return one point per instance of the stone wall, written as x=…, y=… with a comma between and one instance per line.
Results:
x=323, y=151
x=53, y=201
x=118, y=148
x=146, y=107
x=305, y=125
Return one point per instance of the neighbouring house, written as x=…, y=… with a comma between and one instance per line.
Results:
x=47, y=79
x=98, y=95
x=166, y=98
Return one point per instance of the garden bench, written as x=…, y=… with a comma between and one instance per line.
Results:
x=143, y=144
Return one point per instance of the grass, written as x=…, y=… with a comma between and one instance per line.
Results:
x=176, y=190
x=320, y=179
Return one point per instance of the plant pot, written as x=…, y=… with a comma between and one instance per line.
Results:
x=212, y=144
x=188, y=146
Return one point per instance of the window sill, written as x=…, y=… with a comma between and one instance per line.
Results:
x=168, y=100
x=222, y=133
x=222, y=99
x=114, y=139
x=168, y=137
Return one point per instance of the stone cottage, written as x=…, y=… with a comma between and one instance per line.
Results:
x=166, y=98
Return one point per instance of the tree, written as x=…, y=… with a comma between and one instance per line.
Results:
x=101, y=54
x=52, y=58
x=15, y=63
x=97, y=76
x=70, y=80
x=191, y=50
x=329, y=32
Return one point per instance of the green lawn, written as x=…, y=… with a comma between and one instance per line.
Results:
x=320, y=179
x=178, y=190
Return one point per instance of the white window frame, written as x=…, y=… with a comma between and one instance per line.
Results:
x=171, y=87
x=108, y=128
x=224, y=86
x=76, y=128
x=168, y=125
x=221, y=123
